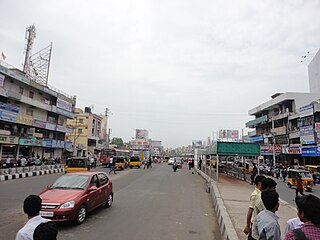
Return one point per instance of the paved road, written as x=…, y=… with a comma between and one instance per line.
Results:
x=149, y=204
x=288, y=194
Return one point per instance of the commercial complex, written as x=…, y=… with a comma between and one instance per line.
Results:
x=88, y=132
x=33, y=117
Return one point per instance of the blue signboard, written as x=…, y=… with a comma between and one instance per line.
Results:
x=9, y=107
x=313, y=151
x=255, y=139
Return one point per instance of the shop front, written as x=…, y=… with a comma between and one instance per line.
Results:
x=31, y=147
x=8, y=146
x=311, y=155
x=53, y=148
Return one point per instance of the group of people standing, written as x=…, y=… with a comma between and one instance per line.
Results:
x=37, y=227
x=262, y=221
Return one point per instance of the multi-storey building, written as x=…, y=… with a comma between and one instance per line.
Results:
x=33, y=117
x=285, y=125
x=86, y=131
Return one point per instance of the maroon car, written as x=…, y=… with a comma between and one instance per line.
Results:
x=73, y=195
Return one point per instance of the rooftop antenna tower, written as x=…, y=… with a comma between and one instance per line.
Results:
x=30, y=36
x=36, y=66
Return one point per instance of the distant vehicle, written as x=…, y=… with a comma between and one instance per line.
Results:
x=171, y=161
x=120, y=162
x=166, y=159
x=307, y=180
x=135, y=162
x=108, y=153
x=178, y=161
x=77, y=164
x=73, y=195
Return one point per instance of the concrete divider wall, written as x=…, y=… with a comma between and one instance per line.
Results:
x=227, y=229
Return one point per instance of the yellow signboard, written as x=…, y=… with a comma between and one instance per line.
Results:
x=8, y=139
x=24, y=120
x=141, y=155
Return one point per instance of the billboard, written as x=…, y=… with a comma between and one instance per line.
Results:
x=64, y=105
x=226, y=134
x=196, y=143
x=307, y=135
x=142, y=134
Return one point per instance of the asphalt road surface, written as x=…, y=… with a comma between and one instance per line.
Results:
x=148, y=204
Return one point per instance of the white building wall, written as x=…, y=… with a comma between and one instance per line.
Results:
x=314, y=74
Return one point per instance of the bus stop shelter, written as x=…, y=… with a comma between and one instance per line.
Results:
x=220, y=153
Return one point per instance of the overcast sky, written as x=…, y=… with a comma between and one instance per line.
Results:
x=182, y=69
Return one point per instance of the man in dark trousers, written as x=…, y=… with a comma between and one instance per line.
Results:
x=113, y=166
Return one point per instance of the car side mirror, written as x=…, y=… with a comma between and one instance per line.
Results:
x=49, y=186
x=92, y=188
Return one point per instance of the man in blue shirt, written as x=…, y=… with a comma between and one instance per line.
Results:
x=267, y=226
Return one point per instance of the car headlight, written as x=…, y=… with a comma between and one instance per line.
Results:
x=68, y=204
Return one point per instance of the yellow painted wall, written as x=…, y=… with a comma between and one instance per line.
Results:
x=81, y=123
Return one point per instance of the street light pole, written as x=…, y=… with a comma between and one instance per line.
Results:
x=273, y=148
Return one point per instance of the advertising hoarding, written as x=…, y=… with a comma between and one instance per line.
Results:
x=196, y=143
x=307, y=135
x=142, y=134
x=306, y=110
x=64, y=105
x=228, y=134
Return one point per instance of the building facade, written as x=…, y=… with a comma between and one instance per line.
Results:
x=33, y=117
x=86, y=131
x=286, y=126
x=314, y=73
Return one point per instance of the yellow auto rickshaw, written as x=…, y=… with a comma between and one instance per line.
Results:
x=120, y=162
x=77, y=164
x=135, y=162
x=307, y=180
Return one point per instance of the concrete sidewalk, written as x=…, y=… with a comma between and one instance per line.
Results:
x=235, y=195
x=230, y=198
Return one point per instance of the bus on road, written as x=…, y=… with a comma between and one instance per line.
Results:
x=108, y=153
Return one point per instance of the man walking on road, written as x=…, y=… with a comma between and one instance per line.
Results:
x=267, y=225
x=255, y=203
x=32, y=207
x=299, y=188
x=113, y=166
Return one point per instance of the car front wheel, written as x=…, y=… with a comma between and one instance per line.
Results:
x=109, y=201
x=82, y=214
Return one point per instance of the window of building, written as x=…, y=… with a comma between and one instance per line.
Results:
x=47, y=101
x=21, y=90
x=92, y=131
x=79, y=130
x=29, y=112
x=31, y=94
x=80, y=120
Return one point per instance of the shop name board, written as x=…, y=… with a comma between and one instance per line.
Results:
x=64, y=105
x=279, y=130
x=51, y=126
x=255, y=139
x=9, y=107
x=307, y=135
x=306, y=110
x=8, y=116
x=32, y=142
x=310, y=151
x=9, y=139
x=55, y=143
x=291, y=150
x=61, y=128
x=39, y=124
x=25, y=120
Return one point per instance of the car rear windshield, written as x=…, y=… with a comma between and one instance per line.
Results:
x=135, y=160
x=70, y=182
x=76, y=162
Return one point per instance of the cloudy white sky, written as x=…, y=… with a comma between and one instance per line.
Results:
x=182, y=69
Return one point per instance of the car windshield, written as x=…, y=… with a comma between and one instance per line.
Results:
x=70, y=182
x=134, y=160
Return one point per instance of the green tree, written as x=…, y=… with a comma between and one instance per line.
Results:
x=117, y=141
